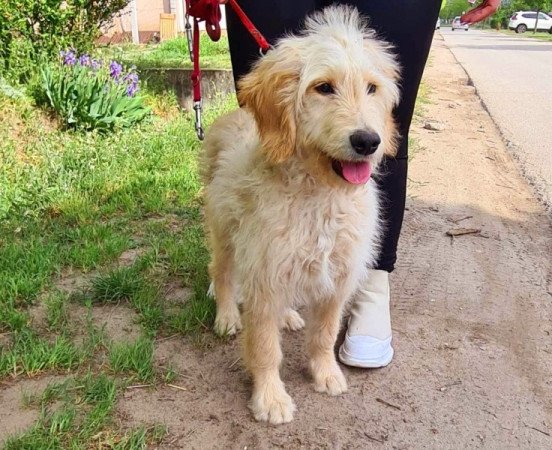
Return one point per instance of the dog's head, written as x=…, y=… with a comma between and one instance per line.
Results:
x=326, y=96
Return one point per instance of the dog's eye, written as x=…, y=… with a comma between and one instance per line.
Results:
x=325, y=88
x=371, y=88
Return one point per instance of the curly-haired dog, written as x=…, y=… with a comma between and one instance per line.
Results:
x=291, y=208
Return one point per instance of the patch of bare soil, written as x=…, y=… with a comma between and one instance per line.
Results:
x=15, y=417
x=119, y=323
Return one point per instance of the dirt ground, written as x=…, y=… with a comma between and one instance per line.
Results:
x=472, y=319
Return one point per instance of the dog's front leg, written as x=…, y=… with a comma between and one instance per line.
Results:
x=262, y=354
x=227, y=320
x=322, y=328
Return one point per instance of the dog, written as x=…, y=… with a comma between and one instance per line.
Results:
x=291, y=207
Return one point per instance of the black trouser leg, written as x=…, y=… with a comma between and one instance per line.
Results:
x=272, y=19
x=408, y=25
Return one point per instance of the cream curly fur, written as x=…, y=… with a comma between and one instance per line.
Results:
x=283, y=226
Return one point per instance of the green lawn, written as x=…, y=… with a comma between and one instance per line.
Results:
x=543, y=36
x=77, y=203
x=171, y=54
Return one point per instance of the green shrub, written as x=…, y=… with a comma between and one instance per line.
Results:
x=172, y=53
x=46, y=26
x=89, y=94
x=495, y=24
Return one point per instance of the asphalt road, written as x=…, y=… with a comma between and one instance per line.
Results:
x=513, y=77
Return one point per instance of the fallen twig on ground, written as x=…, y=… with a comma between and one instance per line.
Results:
x=372, y=438
x=546, y=433
x=383, y=402
x=139, y=386
x=177, y=387
x=456, y=221
x=462, y=231
x=446, y=386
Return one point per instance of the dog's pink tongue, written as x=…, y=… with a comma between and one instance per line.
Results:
x=356, y=172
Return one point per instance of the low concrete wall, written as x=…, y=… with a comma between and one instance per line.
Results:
x=214, y=82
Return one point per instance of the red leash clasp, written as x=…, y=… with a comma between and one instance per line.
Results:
x=198, y=108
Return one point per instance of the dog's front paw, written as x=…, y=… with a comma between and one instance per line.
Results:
x=328, y=378
x=273, y=405
x=228, y=323
x=292, y=320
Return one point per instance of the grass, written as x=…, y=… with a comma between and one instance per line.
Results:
x=80, y=200
x=422, y=99
x=133, y=358
x=72, y=204
x=31, y=354
x=420, y=111
x=541, y=35
x=172, y=54
x=77, y=413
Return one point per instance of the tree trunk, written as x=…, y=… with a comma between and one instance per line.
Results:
x=536, y=21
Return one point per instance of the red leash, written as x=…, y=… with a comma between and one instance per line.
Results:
x=209, y=11
x=259, y=38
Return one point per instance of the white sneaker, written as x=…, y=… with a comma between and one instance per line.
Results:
x=367, y=342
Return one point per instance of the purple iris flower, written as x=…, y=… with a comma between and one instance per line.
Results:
x=85, y=60
x=131, y=79
x=115, y=70
x=69, y=57
x=95, y=64
x=132, y=89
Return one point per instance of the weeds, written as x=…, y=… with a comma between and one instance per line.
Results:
x=173, y=54
x=82, y=420
x=115, y=286
x=135, y=359
x=31, y=354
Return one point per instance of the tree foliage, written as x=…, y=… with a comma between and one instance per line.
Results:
x=454, y=8
x=509, y=7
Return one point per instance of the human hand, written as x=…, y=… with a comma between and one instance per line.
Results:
x=484, y=10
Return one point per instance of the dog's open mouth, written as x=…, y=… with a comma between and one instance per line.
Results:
x=354, y=172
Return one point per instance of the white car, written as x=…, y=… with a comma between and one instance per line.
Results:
x=522, y=21
x=458, y=25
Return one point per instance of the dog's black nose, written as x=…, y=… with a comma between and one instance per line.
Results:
x=365, y=142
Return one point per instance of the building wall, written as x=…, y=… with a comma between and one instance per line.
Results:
x=148, y=16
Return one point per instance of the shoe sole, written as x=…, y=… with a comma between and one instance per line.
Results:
x=367, y=363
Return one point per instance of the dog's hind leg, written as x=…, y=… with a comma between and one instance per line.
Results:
x=227, y=321
x=262, y=356
x=322, y=328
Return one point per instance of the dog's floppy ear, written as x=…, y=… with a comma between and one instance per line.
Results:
x=270, y=91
